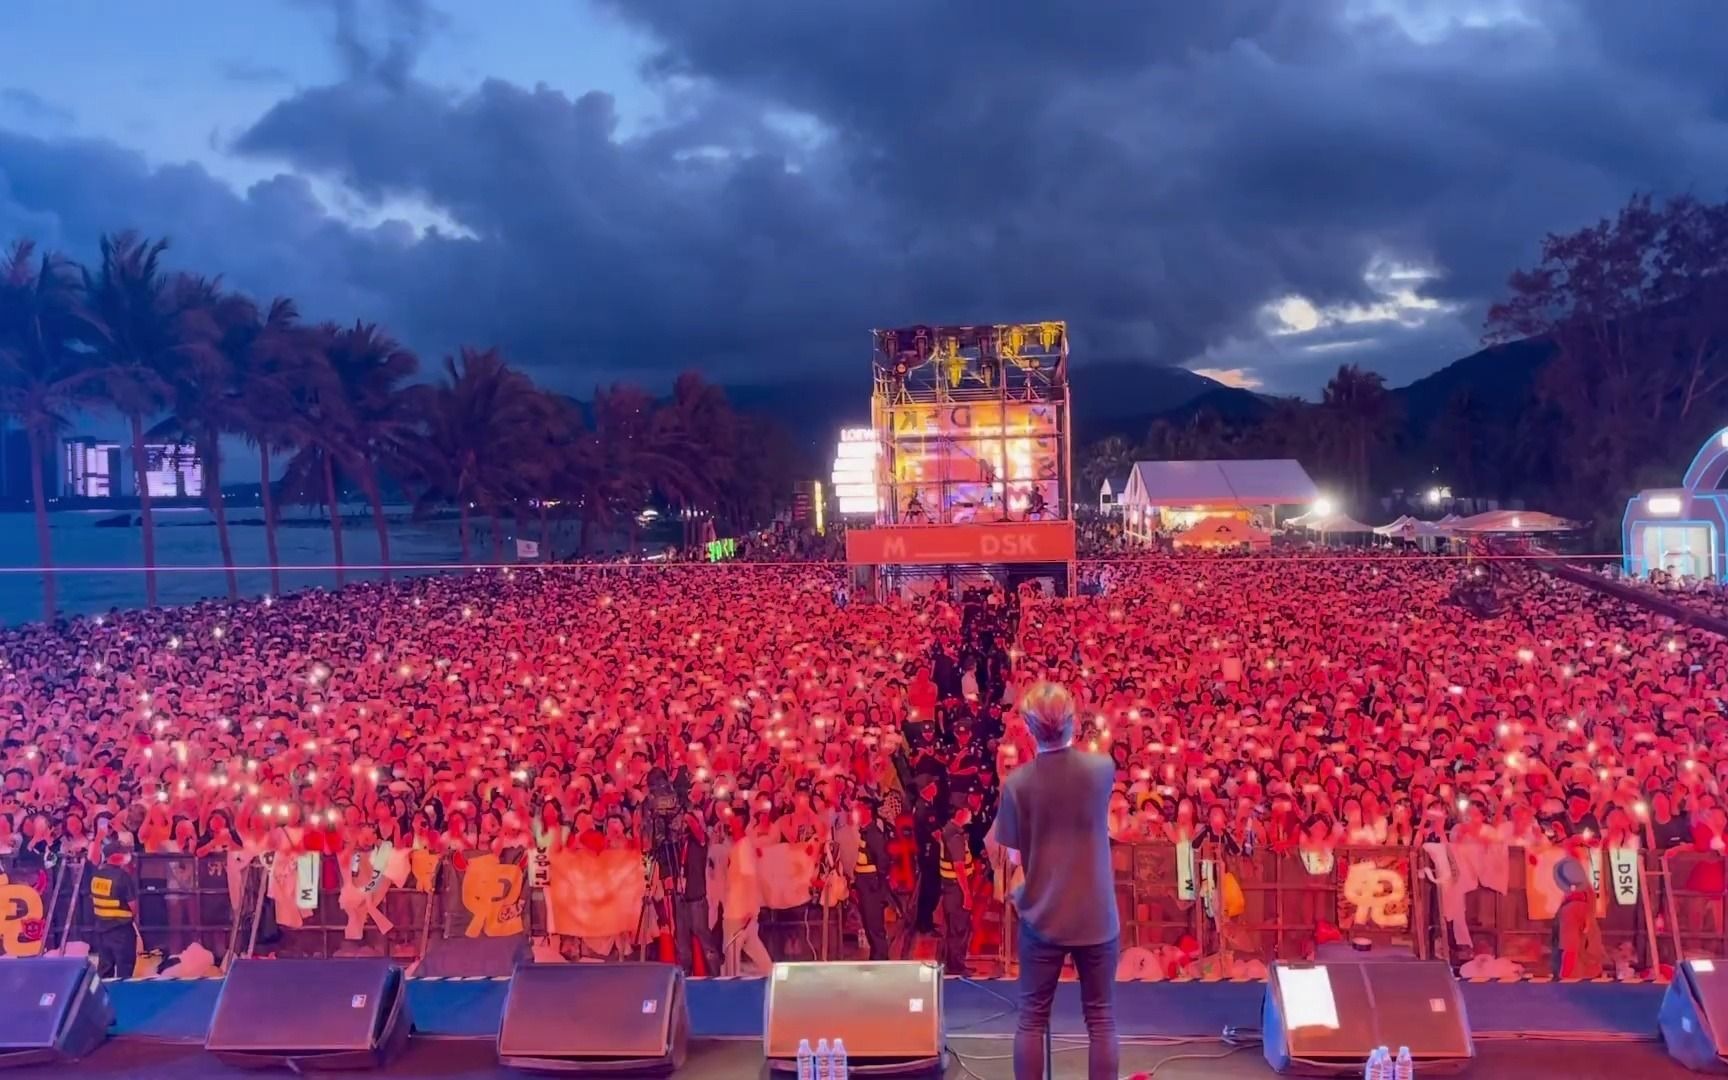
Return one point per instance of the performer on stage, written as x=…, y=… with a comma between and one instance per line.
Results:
x=1054, y=821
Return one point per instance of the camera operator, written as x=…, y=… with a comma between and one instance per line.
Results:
x=690, y=921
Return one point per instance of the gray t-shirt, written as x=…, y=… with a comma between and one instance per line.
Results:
x=1055, y=812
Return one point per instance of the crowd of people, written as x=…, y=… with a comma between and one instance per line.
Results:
x=1289, y=703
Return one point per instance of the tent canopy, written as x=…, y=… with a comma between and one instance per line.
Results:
x=1410, y=528
x=1224, y=531
x=1337, y=523
x=1261, y=482
x=1512, y=521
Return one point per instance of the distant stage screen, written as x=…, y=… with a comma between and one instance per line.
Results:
x=974, y=461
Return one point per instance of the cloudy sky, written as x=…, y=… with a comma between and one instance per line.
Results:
x=1262, y=190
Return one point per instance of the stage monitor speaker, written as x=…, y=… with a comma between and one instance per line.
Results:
x=1694, y=1016
x=52, y=1008
x=888, y=1014
x=321, y=1014
x=595, y=1018
x=1325, y=1019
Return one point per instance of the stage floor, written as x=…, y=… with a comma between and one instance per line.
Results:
x=1576, y=1030
x=984, y=1059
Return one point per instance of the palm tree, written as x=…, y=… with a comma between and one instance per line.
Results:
x=136, y=334
x=275, y=359
x=1106, y=459
x=203, y=392
x=641, y=456
x=1359, y=415
x=353, y=421
x=484, y=442
x=43, y=377
x=699, y=416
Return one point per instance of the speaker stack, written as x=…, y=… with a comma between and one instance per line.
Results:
x=1326, y=1019
x=318, y=1014
x=52, y=1009
x=595, y=1018
x=1694, y=1016
x=888, y=1014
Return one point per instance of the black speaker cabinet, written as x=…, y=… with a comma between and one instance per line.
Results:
x=51, y=1009
x=322, y=1014
x=1694, y=1016
x=888, y=1014
x=595, y=1018
x=1325, y=1019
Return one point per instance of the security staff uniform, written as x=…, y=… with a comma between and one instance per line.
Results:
x=870, y=885
x=953, y=867
x=113, y=902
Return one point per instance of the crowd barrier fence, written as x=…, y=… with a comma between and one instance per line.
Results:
x=1265, y=905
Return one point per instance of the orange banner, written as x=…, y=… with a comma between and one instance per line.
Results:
x=999, y=542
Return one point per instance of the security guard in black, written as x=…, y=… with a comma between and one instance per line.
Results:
x=112, y=899
x=869, y=879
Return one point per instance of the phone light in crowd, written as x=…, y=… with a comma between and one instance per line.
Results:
x=1463, y=805
x=520, y=775
x=1673, y=645
x=1525, y=656
x=1641, y=808
x=217, y=632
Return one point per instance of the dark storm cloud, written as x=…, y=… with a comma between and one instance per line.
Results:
x=1153, y=173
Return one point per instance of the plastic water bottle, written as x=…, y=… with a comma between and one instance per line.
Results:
x=806, y=1061
x=1385, y=1068
x=838, y=1059
x=1371, y=1071
x=1405, y=1068
x=824, y=1061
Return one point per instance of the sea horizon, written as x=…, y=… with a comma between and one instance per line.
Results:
x=100, y=568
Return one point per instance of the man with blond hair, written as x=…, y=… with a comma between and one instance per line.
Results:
x=1054, y=821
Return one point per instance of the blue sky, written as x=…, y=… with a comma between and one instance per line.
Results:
x=1262, y=189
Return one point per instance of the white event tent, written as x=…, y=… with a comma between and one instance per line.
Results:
x=1165, y=494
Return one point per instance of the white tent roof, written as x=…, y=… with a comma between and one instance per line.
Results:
x=1262, y=482
x=1337, y=523
x=1512, y=521
x=1408, y=528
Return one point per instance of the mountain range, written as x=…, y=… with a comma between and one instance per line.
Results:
x=1124, y=397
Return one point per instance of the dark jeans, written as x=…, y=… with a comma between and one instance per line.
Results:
x=690, y=931
x=1040, y=971
x=116, y=949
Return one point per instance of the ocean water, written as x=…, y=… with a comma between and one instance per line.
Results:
x=101, y=567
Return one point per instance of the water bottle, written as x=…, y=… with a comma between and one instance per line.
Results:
x=1384, y=1071
x=839, y=1060
x=1371, y=1070
x=824, y=1061
x=1405, y=1069
x=806, y=1061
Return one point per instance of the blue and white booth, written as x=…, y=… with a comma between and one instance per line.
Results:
x=1680, y=530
